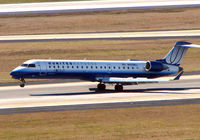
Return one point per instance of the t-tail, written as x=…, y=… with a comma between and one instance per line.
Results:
x=176, y=54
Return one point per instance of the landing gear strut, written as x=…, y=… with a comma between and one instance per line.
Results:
x=22, y=82
x=118, y=88
x=101, y=87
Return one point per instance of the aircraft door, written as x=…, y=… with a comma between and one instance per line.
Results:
x=43, y=68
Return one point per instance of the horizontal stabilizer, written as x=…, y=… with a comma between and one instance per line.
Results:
x=191, y=46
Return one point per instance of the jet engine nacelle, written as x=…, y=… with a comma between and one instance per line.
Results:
x=155, y=66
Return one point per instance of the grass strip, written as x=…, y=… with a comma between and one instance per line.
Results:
x=152, y=123
x=106, y=21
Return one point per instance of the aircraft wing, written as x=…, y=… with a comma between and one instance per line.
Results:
x=136, y=80
x=132, y=80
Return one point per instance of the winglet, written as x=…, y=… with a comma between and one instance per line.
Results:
x=178, y=76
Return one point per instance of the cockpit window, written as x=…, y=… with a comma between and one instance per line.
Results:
x=31, y=65
x=24, y=65
x=28, y=65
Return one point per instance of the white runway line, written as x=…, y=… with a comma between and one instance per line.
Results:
x=118, y=35
x=52, y=7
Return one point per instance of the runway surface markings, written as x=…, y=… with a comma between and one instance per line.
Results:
x=78, y=94
x=81, y=6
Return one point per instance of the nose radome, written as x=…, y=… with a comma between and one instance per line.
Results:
x=14, y=72
x=11, y=73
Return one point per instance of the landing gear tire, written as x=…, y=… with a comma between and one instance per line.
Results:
x=23, y=82
x=22, y=85
x=118, y=88
x=101, y=87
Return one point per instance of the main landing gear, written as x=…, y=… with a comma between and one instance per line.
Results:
x=22, y=82
x=102, y=87
x=118, y=88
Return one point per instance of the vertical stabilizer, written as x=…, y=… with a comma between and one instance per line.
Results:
x=176, y=54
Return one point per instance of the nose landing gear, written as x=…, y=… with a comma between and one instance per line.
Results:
x=22, y=82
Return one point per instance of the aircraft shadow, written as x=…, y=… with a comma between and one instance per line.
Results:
x=108, y=91
x=76, y=93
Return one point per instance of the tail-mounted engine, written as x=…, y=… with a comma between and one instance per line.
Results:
x=155, y=66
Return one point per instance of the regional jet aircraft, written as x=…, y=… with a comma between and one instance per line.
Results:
x=106, y=72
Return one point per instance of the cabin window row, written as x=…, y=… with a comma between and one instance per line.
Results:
x=69, y=63
x=61, y=63
x=92, y=67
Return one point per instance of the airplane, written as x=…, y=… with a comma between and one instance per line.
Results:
x=106, y=72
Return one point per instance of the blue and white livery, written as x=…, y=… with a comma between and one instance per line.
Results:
x=111, y=72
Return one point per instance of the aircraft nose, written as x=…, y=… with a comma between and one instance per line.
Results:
x=15, y=73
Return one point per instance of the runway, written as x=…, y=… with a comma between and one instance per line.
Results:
x=76, y=96
x=101, y=5
x=113, y=35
